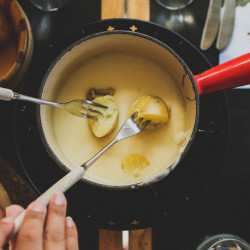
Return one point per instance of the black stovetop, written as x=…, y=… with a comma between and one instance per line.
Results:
x=215, y=173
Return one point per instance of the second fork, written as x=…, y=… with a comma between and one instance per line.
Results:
x=78, y=107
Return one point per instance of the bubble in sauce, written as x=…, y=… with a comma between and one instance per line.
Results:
x=180, y=138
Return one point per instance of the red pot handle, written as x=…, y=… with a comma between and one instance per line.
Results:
x=233, y=73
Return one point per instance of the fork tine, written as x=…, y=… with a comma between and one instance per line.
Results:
x=144, y=124
x=89, y=116
x=92, y=110
x=134, y=115
x=138, y=120
x=141, y=122
x=95, y=104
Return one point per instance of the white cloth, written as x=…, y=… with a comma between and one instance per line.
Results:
x=240, y=40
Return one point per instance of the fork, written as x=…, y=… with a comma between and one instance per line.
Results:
x=78, y=107
x=130, y=127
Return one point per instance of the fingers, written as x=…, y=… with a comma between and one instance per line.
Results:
x=30, y=235
x=55, y=227
x=6, y=228
x=71, y=235
x=58, y=233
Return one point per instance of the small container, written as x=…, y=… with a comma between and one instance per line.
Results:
x=223, y=242
x=174, y=4
x=16, y=52
x=50, y=5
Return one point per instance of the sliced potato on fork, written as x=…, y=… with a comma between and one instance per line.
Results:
x=107, y=121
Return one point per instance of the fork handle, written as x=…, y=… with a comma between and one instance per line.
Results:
x=88, y=163
x=60, y=186
x=6, y=94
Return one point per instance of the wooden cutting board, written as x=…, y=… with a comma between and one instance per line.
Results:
x=135, y=9
x=138, y=239
x=13, y=188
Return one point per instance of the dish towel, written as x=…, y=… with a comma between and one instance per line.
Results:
x=240, y=40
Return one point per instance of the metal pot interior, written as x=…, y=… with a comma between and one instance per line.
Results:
x=142, y=48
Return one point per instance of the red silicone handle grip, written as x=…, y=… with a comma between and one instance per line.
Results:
x=233, y=73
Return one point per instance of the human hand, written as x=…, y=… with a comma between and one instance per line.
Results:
x=38, y=231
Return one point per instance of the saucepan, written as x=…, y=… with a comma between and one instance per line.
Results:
x=146, y=66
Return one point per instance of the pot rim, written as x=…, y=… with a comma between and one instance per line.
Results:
x=157, y=177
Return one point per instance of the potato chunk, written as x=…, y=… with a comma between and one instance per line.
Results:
x=108, y=120
x=151, y=108
x=133, y=164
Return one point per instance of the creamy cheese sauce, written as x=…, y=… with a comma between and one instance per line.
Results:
x=131, y=77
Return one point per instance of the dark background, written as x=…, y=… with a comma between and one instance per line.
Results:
x=224, y=206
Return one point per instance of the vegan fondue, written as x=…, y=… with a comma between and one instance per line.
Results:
x=131, y=76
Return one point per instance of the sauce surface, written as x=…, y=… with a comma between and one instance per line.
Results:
x=131, y=77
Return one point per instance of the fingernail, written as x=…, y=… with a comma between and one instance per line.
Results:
x=37, y=206
x=7, y=219
x=69, y=222
x=59, y=199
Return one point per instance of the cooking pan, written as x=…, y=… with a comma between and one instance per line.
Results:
x=231, y=74
x=127, y=208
